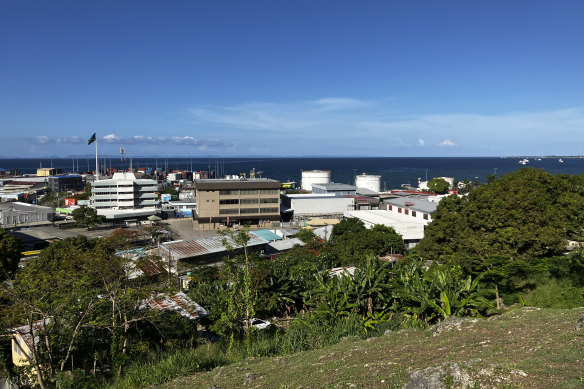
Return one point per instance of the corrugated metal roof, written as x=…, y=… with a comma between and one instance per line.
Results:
x=204, y=246
x=416, y=204
x=287, y=244
x=335, y=186
x=179, y=303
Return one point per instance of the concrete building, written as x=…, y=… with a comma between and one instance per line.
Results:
x=46, y=171
x=334, y=188
x=124, y=196
x=410, y=208
x=300, y=207
x=237, y=201
x=18, y=214
x=65, y=183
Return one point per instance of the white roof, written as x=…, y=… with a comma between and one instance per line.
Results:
x=124, y=213
x=286, y=244
x=409, y=229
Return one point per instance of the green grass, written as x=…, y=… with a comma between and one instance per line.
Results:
x=521, y=349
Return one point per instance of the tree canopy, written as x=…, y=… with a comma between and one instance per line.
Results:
x=525, y=214
x=10, y=249
x=351, y=241
x=438, y=185
x=86, y=217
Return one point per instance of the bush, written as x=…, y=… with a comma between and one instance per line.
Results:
x=555, y=294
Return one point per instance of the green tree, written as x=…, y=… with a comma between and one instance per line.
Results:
x=242, y=296
x=522, y=215
x=348, y=226
x=55, y=296
x=10, y=253
x=86, y=217
x=438, y=185
x=353, y=247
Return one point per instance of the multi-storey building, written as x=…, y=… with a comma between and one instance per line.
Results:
x=237, y=201
x=64, y=183
x=124, y=196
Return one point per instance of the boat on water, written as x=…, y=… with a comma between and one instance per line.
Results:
x=524, y=161
x=560, y=160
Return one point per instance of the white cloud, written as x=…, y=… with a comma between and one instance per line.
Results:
x=447, y=143
x=111, y=138
x=421, y=142
x=280, y=117
x=140, y=139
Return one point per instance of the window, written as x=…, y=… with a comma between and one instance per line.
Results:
x=249, y=192
x=389, y=208
x=268, y=210
x=269, y=201
x=229, y=201
x=249, y=201
x=425, y=216
x=414, y=213
x=249, y=210
x=269, y=191
x=229, y=192
x=229, y=211
x=399, y=210
x=407, y=211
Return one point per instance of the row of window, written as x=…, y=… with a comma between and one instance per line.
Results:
x=248, y=192
x=407, y=212
x=243, y=211
x=250, y=201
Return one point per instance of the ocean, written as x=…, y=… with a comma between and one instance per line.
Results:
x=393, y=171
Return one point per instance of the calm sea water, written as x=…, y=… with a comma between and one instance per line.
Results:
x=393, y=171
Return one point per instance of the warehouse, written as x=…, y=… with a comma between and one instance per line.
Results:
x=18, y=214
x=299, y=207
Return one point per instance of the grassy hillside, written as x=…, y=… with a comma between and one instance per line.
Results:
x=527, y=348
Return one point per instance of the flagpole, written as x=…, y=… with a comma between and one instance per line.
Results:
x=96, y=165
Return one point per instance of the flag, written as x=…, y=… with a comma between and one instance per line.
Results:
x=92, y=139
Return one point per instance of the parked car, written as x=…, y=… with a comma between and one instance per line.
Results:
x=258, y=323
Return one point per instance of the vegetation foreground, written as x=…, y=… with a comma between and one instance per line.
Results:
x=526, y=348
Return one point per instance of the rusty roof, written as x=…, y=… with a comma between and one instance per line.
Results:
x=179, y=303
x=204, y=246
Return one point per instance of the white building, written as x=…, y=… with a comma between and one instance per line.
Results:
x=124, y=196
x=304, y=206
x=412, y=208
x=411, y=229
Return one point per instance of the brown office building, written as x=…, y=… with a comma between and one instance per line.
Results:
x=254, y=202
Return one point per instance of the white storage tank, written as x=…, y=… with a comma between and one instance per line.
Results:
x=310, y=177
x=368, y=181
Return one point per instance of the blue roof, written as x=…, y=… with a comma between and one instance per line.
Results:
x=267, y=235
x=67, y=175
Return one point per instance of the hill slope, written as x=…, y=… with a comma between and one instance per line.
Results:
x=528, y=348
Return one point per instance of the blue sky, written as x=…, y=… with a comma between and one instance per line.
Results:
x=292, y=78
